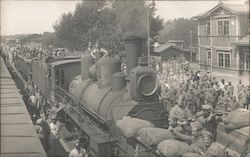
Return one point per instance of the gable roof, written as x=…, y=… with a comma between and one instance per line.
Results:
x=166, y=46
x=233, y=8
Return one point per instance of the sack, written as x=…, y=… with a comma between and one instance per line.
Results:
x=129, y=126
x=192, y=155
x=153, y=136
x=215, y=150
x=237, y=119
x=173, y=148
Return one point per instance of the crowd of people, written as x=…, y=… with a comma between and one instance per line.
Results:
x=48, y=121
x=196, y=102
x=40, y=53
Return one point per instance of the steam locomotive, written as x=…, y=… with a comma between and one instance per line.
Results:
x=99, y=94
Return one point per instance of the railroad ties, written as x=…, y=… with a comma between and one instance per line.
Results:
x=18, y=137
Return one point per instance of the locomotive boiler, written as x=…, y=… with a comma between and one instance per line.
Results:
x=107, y=94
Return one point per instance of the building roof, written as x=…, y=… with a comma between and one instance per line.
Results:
x=166, y=46
x=242, y=42
x=234, y=8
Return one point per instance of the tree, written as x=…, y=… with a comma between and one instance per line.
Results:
x=179, y=29
x=105, y=21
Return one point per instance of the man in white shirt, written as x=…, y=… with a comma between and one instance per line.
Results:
x=32, y=102
x=78, y=152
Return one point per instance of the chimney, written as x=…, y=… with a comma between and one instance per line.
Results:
x=133, y=49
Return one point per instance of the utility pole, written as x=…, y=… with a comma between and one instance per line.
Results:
x=149, y=12
x=190, y=45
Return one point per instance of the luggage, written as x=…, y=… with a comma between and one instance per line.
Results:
x=153, y=136
x=129, y=126
x=173, y=148
x=237, y=119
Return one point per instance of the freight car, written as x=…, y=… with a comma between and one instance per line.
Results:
x=50, y=73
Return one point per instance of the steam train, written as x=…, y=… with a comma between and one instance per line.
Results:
x=97, y=94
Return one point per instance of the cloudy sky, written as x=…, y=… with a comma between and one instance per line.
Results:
x=23, y=16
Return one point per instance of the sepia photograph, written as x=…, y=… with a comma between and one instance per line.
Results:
x=124, y=78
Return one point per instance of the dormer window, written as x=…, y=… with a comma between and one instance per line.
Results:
x=223, y=27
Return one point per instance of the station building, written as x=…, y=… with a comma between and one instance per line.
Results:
x=223, y=39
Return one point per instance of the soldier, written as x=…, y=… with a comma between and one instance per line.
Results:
x=177, y=115
x=240, y=88
x=206, y=146
x=206, y=118
x=230, y=88
x=234, y=104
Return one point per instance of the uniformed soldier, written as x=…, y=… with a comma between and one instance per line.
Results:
x=206, y=118
x=202, y=145
x=177, y=115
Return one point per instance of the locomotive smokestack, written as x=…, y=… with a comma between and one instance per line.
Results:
x=133, y=49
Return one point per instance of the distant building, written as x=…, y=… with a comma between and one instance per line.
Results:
x=168, y=51
x=222, y=39
x=177, y=43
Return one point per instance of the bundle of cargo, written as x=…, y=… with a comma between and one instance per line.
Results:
x=129, y=126
x=153, y=136
x=237, y=119
x=234, y=141
x=192, y=155
x=216, y=150
x=173, y=148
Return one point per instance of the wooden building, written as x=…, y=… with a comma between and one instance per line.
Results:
x=222, y=38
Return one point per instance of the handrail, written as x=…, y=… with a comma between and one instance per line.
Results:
x=75, y=99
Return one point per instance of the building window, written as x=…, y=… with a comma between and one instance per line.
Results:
x=221, y=60
x=208, y=27
x=209, y=56
x=59, y=77
x=247, y=57
x=224, y=60
x=223, y=27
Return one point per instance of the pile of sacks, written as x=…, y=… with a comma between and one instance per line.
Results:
x=237, y=119
x=146, y=132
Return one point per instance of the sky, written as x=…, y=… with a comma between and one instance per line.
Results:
x=23, y=16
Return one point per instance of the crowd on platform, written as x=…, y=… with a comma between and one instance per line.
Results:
x=196, y=102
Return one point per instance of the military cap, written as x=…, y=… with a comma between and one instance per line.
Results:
x=205, y=134
x=206, y=107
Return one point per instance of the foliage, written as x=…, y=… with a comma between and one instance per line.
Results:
x=179, y=29
x=105, y=21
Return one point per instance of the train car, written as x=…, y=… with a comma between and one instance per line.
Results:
x=55, y=73
x=23, y=65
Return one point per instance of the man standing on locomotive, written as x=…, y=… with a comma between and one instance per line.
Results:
x=98, y=52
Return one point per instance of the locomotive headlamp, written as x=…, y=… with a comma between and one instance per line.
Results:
x=147, y=85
